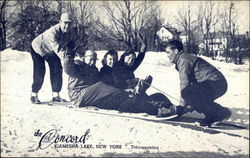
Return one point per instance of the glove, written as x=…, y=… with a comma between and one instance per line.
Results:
x=69, y=53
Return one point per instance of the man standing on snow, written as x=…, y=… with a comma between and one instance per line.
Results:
x=200, y=84
x=50, y=46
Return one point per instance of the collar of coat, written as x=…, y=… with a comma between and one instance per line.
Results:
x=176, y=58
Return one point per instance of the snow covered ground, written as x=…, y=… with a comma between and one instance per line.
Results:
x=20, y=119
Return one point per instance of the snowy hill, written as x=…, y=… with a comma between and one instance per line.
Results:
x=20, y=119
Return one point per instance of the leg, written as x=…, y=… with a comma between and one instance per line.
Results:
x=112, y=101
x=107, y=97
x=162, y=99
x=95, y=94
x=217, y=88
x=38, y=71
x=138, y=105
x=201, y=97
x=55, y=72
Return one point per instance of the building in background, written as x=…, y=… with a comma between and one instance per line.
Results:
x=168, y=33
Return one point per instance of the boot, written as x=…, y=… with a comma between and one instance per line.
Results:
x=222, y=114
x=35, y=100
x=143, y=85
x=166, y=112
x=58, y=99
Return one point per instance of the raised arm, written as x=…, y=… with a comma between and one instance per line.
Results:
x=141, y=54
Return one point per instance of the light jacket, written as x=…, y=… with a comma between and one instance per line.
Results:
x=53, y=40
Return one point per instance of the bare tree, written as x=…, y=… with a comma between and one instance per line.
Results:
x=82, y=12
x=152, y=25
x=3, y=21
x=207, y=19
x=229, y=28
x=126, y=18
x=31, y=18
x=186, y=19
x=60, y=6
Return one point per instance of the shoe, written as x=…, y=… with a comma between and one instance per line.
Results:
x=181, y=110
x=144, y=84
x=166, y=112
x=223, y=115
x=35, y=100
x=58, y=99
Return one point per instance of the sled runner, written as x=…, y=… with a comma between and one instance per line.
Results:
x=225, y=127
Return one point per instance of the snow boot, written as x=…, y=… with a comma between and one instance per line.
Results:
x=222, y=115
x=35, y=100
x=166, y=112
x=145, y=84
x=181, y=110
x=58, y=99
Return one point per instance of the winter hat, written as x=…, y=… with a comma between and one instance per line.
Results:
x=90, y=53
x=66, y=17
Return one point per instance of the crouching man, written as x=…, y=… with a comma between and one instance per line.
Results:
x=200, y=84
x=86, y=89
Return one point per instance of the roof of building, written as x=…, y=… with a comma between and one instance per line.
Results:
x=172, y=30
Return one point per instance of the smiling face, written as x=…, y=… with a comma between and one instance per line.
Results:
x=65, y=26
x=110, y=60
x=129, y=60
x=171, y=53
x=90, y=58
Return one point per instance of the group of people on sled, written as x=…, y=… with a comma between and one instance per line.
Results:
x=115, y=86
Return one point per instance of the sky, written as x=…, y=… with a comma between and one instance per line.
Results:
x=170, y=10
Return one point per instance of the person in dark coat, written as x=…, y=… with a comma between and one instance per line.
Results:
x=109, y=61
x=86, y=89
x=200, y=84
x=123, y=72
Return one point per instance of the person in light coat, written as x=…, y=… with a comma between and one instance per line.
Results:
x=50, y=46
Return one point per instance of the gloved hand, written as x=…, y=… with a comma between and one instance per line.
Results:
x=69, y=53
x=131, y=92
x=180, y=110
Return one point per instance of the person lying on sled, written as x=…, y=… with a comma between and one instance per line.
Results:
x=109, y=61
x=123, y=71
x=86, y=89
x=200, y=84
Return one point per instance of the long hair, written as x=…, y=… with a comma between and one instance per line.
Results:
x=127, y=53
x=112, y=53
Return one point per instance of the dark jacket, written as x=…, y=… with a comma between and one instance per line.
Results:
x=106, y=74
x=193, y=69
x=81, y=76
x=122, y=73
